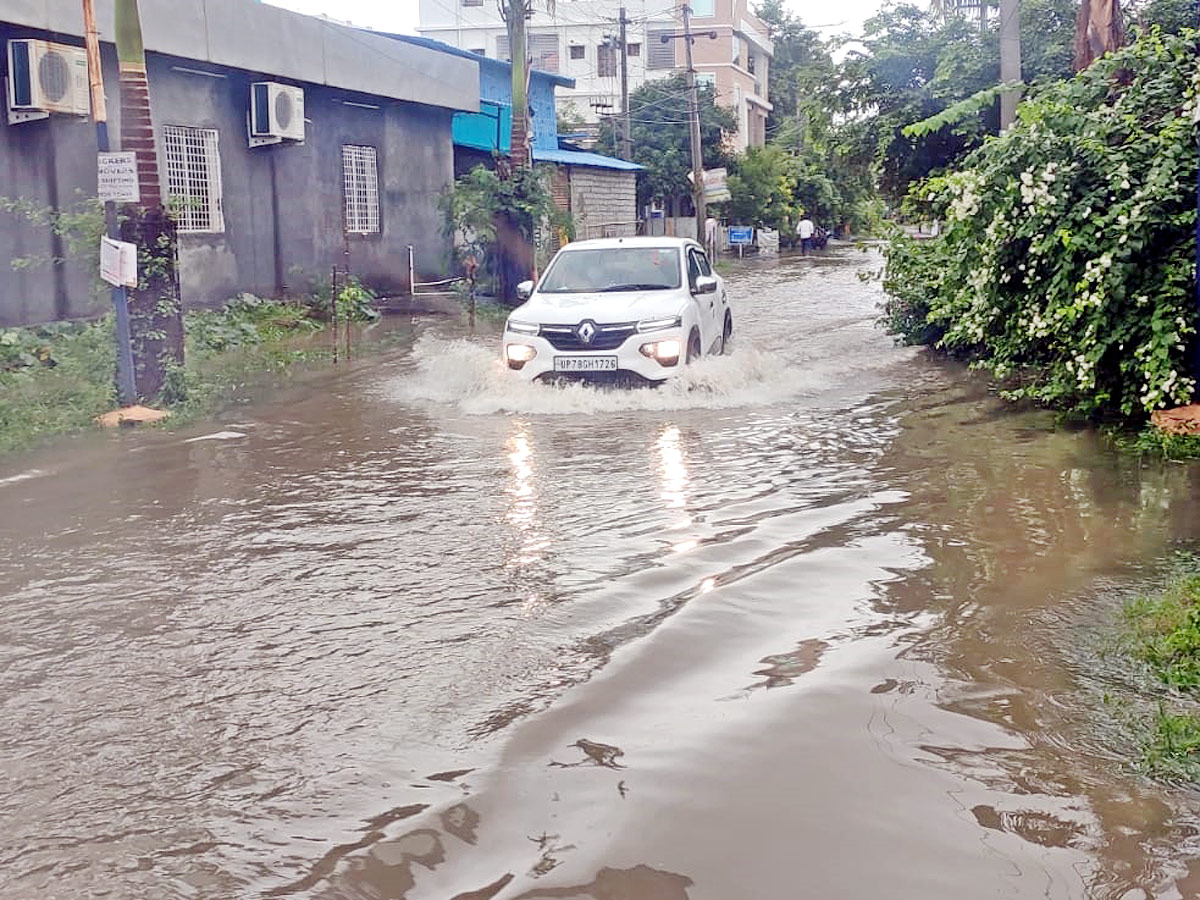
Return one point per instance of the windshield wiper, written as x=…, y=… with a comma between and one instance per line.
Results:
x=634, y=287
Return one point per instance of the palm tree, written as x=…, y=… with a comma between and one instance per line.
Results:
x=156, y=321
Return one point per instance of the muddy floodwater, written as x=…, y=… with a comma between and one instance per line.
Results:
x=819, y=621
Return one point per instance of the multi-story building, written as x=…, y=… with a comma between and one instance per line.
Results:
x=581, y=40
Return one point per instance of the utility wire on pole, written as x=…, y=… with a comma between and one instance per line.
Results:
x=126, y=388
x=693, y=117
x=626, y=150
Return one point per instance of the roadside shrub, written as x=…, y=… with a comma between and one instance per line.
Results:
x=246, y=320
x=1067, y=254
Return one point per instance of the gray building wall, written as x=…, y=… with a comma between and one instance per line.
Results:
x=603, y=202
x=283, y=203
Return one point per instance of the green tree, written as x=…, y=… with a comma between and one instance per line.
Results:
x=658, y=113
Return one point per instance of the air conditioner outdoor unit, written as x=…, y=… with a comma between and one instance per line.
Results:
x=47, y=77
x=276, y=111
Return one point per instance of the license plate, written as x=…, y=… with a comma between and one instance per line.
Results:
x=585, y=364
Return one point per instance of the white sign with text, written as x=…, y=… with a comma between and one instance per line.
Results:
x=117, y=178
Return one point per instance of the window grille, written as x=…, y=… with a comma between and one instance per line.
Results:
x=360, y=176
x=660, y=54
x=633, y=50
x=502, y=50
x=194, y=178
x=606, y=61
x=543, y=52
x=577, y=51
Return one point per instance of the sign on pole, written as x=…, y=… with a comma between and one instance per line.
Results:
x=118, y=262
x=117, y=178
x=716, y=188
x=741, y=234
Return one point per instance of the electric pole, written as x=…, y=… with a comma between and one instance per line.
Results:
x=126, y=388
x=626, y=151
x=1010, y=59
x=694, y=101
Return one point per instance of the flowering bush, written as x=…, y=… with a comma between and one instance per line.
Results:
x=1066, y=264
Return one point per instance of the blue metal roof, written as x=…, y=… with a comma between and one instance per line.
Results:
x=431, y=44
x=583, y=158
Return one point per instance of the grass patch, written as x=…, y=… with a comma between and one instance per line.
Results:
x=56, y=378
x=1152, y=443
x=1163, y=633
x=1172, y=748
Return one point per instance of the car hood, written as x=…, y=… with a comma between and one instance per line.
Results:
x=568, y=309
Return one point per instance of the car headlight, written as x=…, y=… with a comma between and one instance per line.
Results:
x=659, y=324
x=522, y=327
x=664, y=352
x=516, y=355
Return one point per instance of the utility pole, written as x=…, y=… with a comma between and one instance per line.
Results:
x=694, y=100
x=126, y=389
x=1010, y=59
x=626, y=150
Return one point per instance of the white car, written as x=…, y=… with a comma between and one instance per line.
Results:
x=634, y=308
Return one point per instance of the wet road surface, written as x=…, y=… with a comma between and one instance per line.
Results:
x=818, y=622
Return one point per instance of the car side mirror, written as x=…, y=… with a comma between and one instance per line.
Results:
x=524, y=290
x=706, y=284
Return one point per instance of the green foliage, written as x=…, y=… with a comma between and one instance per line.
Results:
x=960, y=111
x=481, y=209
x=54, y=378
x=763, y=189
x=79, y=226
x=1067, y=257
x=1153, y=443
x=661, y=140
x=1169, y=15
x=1172, y=749
x=1165, y=632
x=914, y=66
x=245, y=321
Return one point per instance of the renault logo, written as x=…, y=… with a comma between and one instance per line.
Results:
x=586, y=332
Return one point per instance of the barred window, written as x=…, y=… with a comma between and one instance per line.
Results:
x=660, y=54
x=543, y=52
x=360, y=176
x=194, y=178
x=633, y=50
x=606, y=61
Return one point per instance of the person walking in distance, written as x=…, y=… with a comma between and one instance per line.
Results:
x=806, y=229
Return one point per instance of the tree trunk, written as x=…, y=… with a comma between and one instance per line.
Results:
x=155, y=313
x=518, y=46
x=1099, y=28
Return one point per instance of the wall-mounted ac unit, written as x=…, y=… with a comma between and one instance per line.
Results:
x=276, y=111
x=47, y=77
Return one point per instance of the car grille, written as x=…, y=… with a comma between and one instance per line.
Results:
x=607, y=337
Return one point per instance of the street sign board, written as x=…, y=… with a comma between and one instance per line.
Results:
x=741, y=234
x=117, y=178
x=716, y=188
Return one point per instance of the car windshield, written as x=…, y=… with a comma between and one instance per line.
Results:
x=613, y=269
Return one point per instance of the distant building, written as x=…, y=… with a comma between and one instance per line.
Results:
x=370, y=150
x=580, y=41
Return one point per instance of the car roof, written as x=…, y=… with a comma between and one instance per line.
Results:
x=640, y=241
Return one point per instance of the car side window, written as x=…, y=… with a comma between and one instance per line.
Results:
x=705, y=268
x=694, y=269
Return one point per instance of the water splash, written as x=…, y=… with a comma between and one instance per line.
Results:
x=471, y=377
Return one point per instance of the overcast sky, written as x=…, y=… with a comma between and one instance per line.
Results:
x=401, y=15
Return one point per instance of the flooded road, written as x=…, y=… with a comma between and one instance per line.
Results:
x=819, y=622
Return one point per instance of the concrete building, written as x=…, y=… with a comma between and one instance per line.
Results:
x=580, y=40
x=599, y=191
x=359, y=187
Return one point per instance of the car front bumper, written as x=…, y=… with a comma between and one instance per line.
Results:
x=587, y=366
